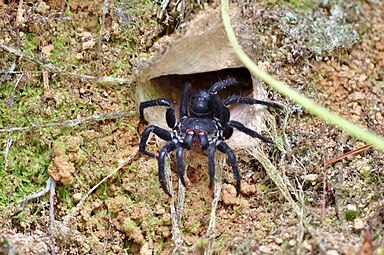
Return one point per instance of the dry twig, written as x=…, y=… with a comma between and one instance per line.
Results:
x=70, y=123
x=327, y=163
x=67, y=219
x=7, y=147
x=55, y=69
x=37, y=194
x=104, y=13
x=345, y=155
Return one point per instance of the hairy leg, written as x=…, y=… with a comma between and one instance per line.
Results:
x=162, y=133
x=211, y=163
x=168, y=147
x=169, y=115
x=184, y=99
x=245, y=100
x=223, y=147
x=239, y=126
x=219, y=85
x=180, y=164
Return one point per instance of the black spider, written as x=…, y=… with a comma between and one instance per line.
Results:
x=206, y=123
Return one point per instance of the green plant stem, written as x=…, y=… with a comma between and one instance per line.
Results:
x=314, y=108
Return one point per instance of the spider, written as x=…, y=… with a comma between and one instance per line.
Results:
x=204, y=122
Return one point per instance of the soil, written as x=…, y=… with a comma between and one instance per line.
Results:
x=128, y=213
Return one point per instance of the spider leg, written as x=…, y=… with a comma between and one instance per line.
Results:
x=180, y=164
x=223, y=147
x=211, y=163
x=168, y=147
x=245, y=100
x=219, y=109
x=227, y=132
x=169, y=115
x=239, y=126
x=219, y=85
x=162, y=133
x=184, y=99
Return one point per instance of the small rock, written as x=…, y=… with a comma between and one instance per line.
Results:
x=292, y=242
x=247, y=189
x=229, y=195
x=145, y=249
x=379, y=45
x=46, y=50
x=358, y=224
x=279, y=240
x=351, y=207
x=42, y=8
x=77, y=196
x=310, y=177
x=79, y=56
x=307, y=245
x=81, y=90
x=331, y=252
x=166, y=233
x=265, y=249
x=159, y=210
x=88, y=40
x=88, y=44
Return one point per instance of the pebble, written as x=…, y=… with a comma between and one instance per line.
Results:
x=265, y=249
x=292, y=242
x=42, y=8
x=160, y=210
x=351, y=207
x=279, y=240
x=310, y=177
x=358, y=224
x=77, y=196
x=307, y=245
x=82, y=91
x=332, y=252
x=247, y=189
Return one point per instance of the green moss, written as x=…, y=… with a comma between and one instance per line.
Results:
x=201, y=242
x=350, y=215
x=29, y=43
x=129, y=225
x=301, y=4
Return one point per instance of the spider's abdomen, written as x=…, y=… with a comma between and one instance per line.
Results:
x=197, y=124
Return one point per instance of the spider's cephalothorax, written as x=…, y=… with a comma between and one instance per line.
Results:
x=205, y=123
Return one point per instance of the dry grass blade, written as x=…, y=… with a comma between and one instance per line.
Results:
x=272, y=172
x=176, y=213
x=177, y=236
x=220, y=161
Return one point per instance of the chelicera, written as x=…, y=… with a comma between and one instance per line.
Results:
x=204, y=122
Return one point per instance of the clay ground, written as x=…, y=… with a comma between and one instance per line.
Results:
x=45, y=133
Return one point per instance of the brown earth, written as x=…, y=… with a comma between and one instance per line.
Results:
x=128, y=213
